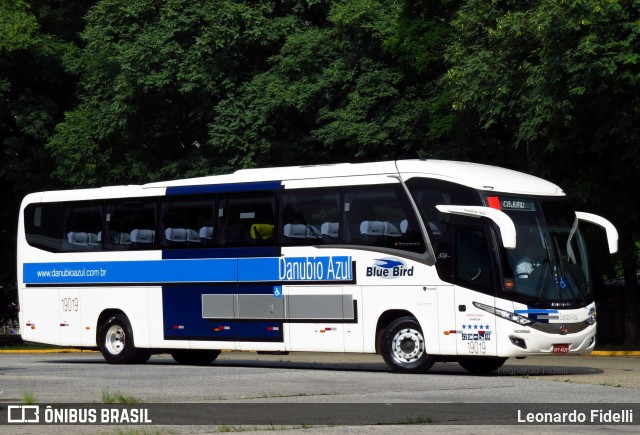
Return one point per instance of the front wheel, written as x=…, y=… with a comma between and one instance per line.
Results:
x=403, y=347
x=115, y=340
x=482, y=365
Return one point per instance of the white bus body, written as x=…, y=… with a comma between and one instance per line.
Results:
x=420, y=261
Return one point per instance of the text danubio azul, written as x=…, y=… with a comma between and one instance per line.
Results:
x=315, y=269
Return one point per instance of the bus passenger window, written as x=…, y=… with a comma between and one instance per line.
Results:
x=82, y=227
x=246, y=219
x=428, y=193
x=187, y=222
x=43, y=226
x=381, y=216
x=131, y=225
x=309, y=217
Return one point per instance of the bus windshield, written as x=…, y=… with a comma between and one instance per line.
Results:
x=549, y=264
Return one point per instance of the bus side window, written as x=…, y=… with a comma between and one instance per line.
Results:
x=381, y=216
x=130, y=224
x=43, y=225
x=82, y=227
x=306, y=217
x=427, y=193
x=187, y=222
x=246, y=219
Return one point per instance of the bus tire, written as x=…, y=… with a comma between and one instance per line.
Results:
x=482, y=365
x=116, y=342
x=195, y=357
x=403, y=347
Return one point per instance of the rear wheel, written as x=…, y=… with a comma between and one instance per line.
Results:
x=403, y=347
x=115, y=340
x=195, y=357
x=482, y=365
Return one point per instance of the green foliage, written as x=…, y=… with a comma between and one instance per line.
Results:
x=334, y=92
x=151, y=74
x=35, y=90
x=561, y=75
x=17, y=25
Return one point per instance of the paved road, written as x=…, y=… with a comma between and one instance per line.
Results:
x=244, y=377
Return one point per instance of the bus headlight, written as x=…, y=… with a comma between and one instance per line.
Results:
x=591, y=319
x=508, y=315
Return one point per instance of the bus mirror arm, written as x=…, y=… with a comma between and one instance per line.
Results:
x=500, y=218
x=612, y=233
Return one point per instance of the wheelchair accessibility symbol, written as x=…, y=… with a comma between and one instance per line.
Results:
x=277, y=291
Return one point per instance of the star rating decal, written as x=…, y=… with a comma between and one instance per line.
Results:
x=470, y=326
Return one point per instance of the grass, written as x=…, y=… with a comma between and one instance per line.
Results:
x=28, y=398
x=610, y=384
x=238, y=428
x=411, y=420
x=118, y=397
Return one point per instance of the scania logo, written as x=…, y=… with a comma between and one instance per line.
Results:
x=389, y=268
x=563, y=330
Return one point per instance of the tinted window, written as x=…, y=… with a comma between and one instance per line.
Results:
x=130, y=225
x=309, y=217
x=43, y=225
x=246, y=219
x=82, y=226
x=187, y=222
x=380, y=216
x=427, y=193
x=473, y=260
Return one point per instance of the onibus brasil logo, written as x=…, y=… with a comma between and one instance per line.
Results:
x=389, y=268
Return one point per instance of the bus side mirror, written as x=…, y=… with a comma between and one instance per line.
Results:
x=500, y=218
x=612, y=233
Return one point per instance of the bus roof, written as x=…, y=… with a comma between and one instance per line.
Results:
x=481, y=177
x=477, y=176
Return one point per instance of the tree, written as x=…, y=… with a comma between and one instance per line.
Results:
x=562, y=78
x=344, y=86
x=35, y=90
x=151, y=74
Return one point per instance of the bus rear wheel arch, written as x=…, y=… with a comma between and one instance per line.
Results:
x=402, y=346
x=116, y=342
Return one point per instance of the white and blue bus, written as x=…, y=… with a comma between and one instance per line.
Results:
x=417, y=260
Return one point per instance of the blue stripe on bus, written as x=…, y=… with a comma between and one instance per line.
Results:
x=252, y=251
x=134, y=272
x=536, y=311
x=221, y=188
x=205, y=270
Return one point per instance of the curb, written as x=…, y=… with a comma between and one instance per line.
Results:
x=615, y=353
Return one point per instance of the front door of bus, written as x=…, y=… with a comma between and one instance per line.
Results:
x=474, y=280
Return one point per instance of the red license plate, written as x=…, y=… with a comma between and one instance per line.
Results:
x=560, y=348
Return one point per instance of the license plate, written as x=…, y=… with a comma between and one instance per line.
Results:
x=560, y=348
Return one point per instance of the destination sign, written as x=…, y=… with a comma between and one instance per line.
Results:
x=517, y=204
